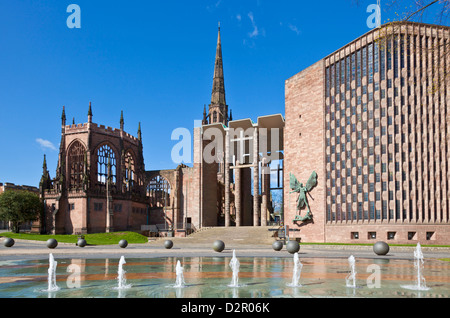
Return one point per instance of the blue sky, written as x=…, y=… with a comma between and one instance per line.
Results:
x=154, y=60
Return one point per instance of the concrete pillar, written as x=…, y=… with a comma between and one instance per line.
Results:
x=237, y=194
x=227, y=179
x=265, y=192
x=256, y=207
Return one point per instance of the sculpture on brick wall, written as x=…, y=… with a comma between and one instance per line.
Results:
x=302, y=200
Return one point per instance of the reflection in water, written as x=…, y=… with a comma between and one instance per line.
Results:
x=210, y=277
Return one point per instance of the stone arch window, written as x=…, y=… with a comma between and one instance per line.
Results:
x=158, y=190
x=214, y=117
x=76, y=162
x=105, y=154
x=129, y=171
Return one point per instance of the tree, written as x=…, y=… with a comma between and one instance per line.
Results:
x=19, y=207
x=432, y=11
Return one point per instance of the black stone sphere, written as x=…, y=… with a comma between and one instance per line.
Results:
x=8, y=242
x=277, y=245
x=123, y=243
x=292, y=247
x=81, y=242
x=52, y=243
x=381, y=248
x=168, y=244
x=218, y=246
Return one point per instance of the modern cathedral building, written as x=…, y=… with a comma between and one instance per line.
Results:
x=372, y=120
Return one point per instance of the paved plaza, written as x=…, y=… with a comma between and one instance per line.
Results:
x=192, y=247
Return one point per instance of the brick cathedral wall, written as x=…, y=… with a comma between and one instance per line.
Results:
x=304, y=136
x=189, y=203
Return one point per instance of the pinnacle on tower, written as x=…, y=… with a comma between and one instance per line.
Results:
x=121, y=120
x=205, y=118
x=45, y=182
x=139, y=132
x=90, y=113
x=44, y=165
x=63, y=116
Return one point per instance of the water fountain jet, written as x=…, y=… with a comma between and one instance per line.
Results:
x=122, y=281
x=234, y=264
x=418, y=265
x=351, y=278
x=296, y=272
x=52, y=274
x=179, y=283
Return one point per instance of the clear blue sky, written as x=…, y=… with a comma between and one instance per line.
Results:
x=154, y=60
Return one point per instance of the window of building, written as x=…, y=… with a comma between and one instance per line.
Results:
x=358, y=68
x=412, y=236
x=370, y=62
x=430, y=236
x=364, y=61
x=158, y=189
x=129, y=171
x=76, y=162
x=106, y=165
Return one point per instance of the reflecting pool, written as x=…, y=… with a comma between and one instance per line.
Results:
x=259, y=277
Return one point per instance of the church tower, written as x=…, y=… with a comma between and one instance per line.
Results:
x=218, y=109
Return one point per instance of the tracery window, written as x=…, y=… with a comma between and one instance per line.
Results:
x=158, y=190
x=76, y=163
x=105, y=154
x=129, y=171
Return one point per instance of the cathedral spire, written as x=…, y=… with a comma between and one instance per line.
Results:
x=218, y=109
x=218, y=90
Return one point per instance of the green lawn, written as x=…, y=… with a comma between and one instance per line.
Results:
x=91, y=239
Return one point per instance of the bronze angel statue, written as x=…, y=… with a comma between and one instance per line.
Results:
x=302, y=190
